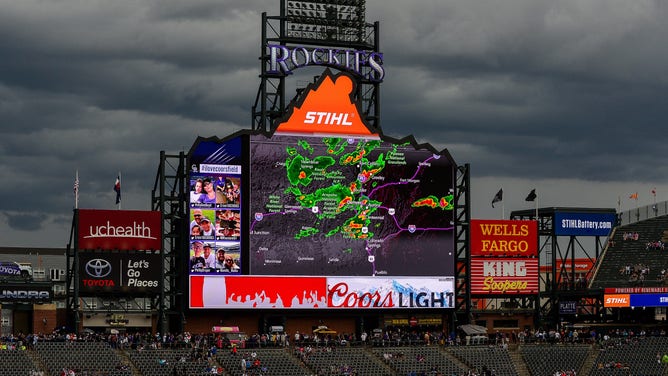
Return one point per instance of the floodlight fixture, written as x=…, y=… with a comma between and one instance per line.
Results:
x=343, y=20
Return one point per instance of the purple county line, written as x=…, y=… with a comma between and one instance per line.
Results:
x=398, y=182
x=266, y=215
x=368, y=250
x=396, y=222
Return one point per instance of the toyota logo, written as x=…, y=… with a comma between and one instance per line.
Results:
x=98, y=268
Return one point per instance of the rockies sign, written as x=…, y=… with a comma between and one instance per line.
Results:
x=130, y=273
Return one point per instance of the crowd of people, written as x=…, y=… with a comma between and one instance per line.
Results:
x=656, y=245
x=204, y=347
x=636, y=273
x=630, y=236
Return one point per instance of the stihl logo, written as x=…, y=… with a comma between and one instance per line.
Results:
x=327, y=118
x=616, y=301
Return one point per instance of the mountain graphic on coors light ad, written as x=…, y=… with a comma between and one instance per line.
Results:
x=327, y=107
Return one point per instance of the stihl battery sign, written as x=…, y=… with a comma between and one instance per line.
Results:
x=119, y=230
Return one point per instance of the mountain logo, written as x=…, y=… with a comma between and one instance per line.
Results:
x=327, y=107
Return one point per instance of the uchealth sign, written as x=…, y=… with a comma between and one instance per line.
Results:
x=104, y=272
x=119, y=229
x=503, y=238
x=504, y=276
x=321, y=292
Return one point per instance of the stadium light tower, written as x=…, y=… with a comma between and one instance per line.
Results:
x=329, y=21
x=323, y=26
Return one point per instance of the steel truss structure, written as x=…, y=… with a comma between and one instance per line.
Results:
x=462, y=233
x=558, y=284
x=330, y=24
x=170, y=197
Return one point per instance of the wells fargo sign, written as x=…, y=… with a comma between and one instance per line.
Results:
x=503, y=238
x=504, y=276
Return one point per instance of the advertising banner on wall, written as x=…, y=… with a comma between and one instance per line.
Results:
x=504, y=276
x=320, y=292
x=616, y=300
x=119, y=230
x=503, y=238
x=635, y=290
x=635, y=300
x=583, y=224
x=649, y=300
x=568, y=307
x=129, y=273
x=23, y=292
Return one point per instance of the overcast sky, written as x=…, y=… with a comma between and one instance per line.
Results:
x=567, y=97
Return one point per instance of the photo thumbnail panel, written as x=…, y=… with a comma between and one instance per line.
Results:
x=215, y=211
x=214, y=257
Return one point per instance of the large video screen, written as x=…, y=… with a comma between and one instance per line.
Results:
x=337, y=206
x=215, y=184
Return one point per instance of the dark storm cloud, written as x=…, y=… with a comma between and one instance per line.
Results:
x=528, y=92
x=536, y=82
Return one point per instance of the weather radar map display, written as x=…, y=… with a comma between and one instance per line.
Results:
x=344, y=206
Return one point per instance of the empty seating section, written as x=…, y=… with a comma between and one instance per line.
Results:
x=273, y=362
x=548, y=359
x=634, y=253
x=164, y=362
x=344, y=360
x=622, y=355
x=88, y=357
x=495, y=359
x=632, y=357
x=16, y=362
x=427, y=359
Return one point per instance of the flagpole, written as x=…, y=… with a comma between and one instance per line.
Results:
x=121, y=183
x=76, y=190
x=503, y=210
